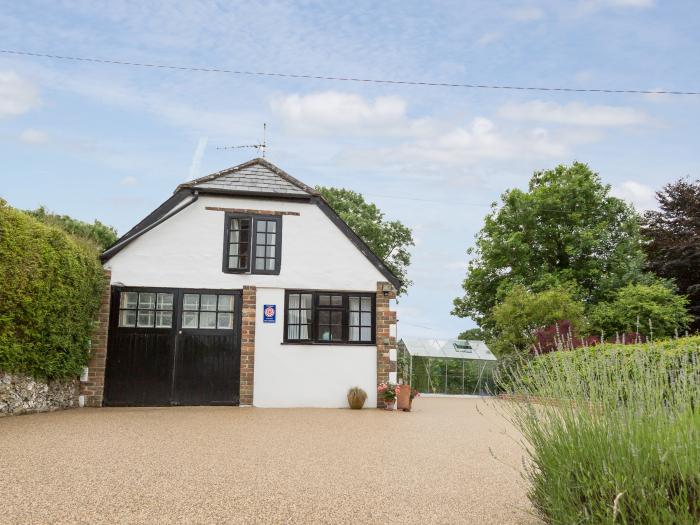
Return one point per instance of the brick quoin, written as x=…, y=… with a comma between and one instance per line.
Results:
x=385, y=317
x=247, y=344
x=93, y=388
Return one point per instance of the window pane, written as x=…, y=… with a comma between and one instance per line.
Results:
x=262, y=226
x=234, y=236
x=165, y=301
x=354, y=334
x=324, y=300
x=233, y=250
x=270, y=264
x=293, y=317
x=207, y=320
x=236, y=224
x=226, y=303
x=244, y=261
x=337, y=300
x=260, y=238
x=271, y=238
x=190, y=301
x=304, y=332
x=233, y=263
x=128, y=300
x=304, y=316
x=147, y=300
x=336, y=333
x=324, y=333
x=306, y=300
x=127, y=318
x=366, y=319
x=324, y=317
x=259, y=264
x=293, y=332
x=225, y=321
x=145, y=318
x=260, y=251
x=293, y=300
x=354, y=319
x=271, y=226
x=365, y=334
x=245, y=236
x=354, y=303
x=336, y=318
x=189, y=319
x=366, y=304
x=164, y=319
x=208, y=303
x=270, y=251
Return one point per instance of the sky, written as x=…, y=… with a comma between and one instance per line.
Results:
x=112, y=142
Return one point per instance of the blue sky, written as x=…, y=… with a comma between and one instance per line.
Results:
x=112, y=142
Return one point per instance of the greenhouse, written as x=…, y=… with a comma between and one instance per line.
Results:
x=452, y=366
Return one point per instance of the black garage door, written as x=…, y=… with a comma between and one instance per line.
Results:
x=173, y=347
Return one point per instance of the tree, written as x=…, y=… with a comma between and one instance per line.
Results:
x=472, y=334
x=673, y=232
x=100, y=234
x=389, y=240
x=653, y=309
x=566, y=228
x=522, y=312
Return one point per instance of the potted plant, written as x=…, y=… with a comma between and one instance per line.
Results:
x=414, y=394
x=356, y=397
x=388, y=391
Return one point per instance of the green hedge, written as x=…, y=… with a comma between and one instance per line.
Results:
x=50, y=287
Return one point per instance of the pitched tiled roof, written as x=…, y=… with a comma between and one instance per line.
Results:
x=254, y=176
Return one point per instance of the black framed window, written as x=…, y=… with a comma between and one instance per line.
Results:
x=145, y=310
x=329, y=317
x=252, y=244
x=207, y=311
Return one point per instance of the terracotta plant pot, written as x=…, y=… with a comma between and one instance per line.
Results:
x=403, y=400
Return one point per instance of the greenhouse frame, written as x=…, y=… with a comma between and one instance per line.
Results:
x=451, y=366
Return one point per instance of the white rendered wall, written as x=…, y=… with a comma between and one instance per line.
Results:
x=306, y=375
x=186, y=251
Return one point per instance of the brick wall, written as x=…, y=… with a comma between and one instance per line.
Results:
x=248, y=344
x=93, y=388
x=385, y=341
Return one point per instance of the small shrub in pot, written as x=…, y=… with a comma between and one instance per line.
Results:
x=356, y=397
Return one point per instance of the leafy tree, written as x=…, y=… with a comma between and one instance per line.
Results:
x=100, y=234
x=522, y=312
x=653, y=309
x=472, y=334
x=566, y=228
x=673, y=231
x=389, y=240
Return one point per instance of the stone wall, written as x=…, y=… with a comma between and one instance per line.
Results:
x=21, y=394
x=248, y=344
x=386, y=342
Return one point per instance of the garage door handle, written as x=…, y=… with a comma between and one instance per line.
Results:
x=179, y=332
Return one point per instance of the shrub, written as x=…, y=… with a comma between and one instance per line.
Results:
x=613, y=432
x=50, y=286
x=356, y=397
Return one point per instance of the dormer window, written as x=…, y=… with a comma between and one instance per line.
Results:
x=462, y=346
x=252, y=243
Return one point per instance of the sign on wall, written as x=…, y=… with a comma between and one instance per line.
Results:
x=269, y=313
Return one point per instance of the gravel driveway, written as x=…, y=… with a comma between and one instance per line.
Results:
x=248, y=465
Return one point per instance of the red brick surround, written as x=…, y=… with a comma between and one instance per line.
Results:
x=93, y=388
x=385, y=341
x=248, y=344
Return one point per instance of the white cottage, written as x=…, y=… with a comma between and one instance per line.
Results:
x=244, y=287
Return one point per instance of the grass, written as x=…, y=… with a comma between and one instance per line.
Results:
x=613, y=433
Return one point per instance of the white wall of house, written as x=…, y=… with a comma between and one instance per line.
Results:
x=186, y=251
x=306, y=375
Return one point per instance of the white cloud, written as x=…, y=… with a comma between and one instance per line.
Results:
x=33, y=136
x=528, y=13
x=489, y=38
x=333, y=112
x=129, y=180
x=195, y=167
x=641, y=196
x=591, y=6
x=17, y=95
x=573, y=113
